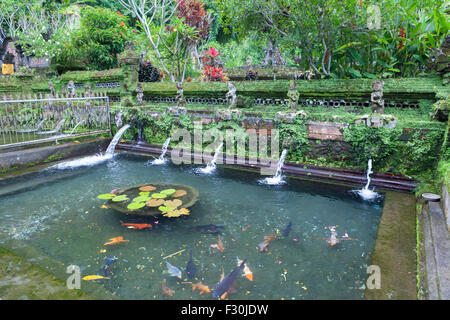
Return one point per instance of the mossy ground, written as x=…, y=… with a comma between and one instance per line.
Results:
x=22, y=280
x=395, y=249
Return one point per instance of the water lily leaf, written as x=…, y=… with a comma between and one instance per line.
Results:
x=120, y=198
x=141, y=199
x=173, y=203
x=106, y=196
x=166, y=209
x=179, y=193
x=144, y=193
x=155, y=202
x=172, y=214
x=159, y=195
x=135, y=205
x=184, y=211
x=168, y=191
x=147, y=188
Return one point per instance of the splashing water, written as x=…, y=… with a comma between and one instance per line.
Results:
x=277, y=179
x=365, y=192
x=92, y=160
x=161, y=159
x=211, y=166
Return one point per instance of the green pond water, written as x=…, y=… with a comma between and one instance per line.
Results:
x=58, y=213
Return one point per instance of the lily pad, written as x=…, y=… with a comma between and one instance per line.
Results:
x=152, y=203
x=120, y=198
x=147, y=188
x=136, y=205
x=173, y=203
x=159, y=195
x=155, y=202
x=166, y=209
x=168, y=191
x=172, y=214
x=141, y=199
x=106, y=196
x=179, y=193
x=184, y=211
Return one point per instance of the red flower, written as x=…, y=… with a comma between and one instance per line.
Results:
x=121, y=33
x=212, y=52
x=401, y=34
x=122, y=24
x=134, y=31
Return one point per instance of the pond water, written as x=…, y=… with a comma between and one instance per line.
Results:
x=62, y=217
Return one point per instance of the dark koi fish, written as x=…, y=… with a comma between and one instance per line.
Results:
x=224, y=286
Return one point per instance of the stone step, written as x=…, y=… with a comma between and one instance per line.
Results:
x=437, y=247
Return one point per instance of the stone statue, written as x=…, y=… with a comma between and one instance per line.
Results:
x=181, y=100
x=52, y=88
x=277, y=59
x=139, y=94
x=71, y=89
x=377, y=97
x=118, y=118
x=231, y=96
x=249, y=62
x=293, y=95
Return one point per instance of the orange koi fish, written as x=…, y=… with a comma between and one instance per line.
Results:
x=247, y=272
x=219, y=246
x=138, y=226
x=200, y=287
x=115, y=240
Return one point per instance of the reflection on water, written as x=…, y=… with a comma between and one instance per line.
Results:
x=64, y=219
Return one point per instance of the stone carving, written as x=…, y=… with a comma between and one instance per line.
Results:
x=303, y=74
x=71, y=89
x=288, y=117
x=277, y=59
x=231, y=96
x=52, y=88
x=377, y=97
x=118, y=118
x=249, y=62
x=378, y=121
x=293, y=95
x=139, y=94
x=228, y=114
x=181, y=100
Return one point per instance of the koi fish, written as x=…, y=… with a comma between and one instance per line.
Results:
x=115, y=240
x=333, y=240
x=224, y=286
x=200, y=287
x=173, y=271
x=247, y=272
x=285, y=231
x=246, y=227
x=94, y=277
x=165, y=290
x=138, y=226
x=219, y=246
x=263, y=246
x=191, y=268
x=108, y=263
x=209, y=228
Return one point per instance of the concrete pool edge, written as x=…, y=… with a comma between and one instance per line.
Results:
x=395, y=249
x=19, y=162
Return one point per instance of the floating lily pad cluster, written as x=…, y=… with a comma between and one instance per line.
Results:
x=158, y=198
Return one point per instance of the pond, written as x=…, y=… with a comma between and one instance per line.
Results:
x=61, y=216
